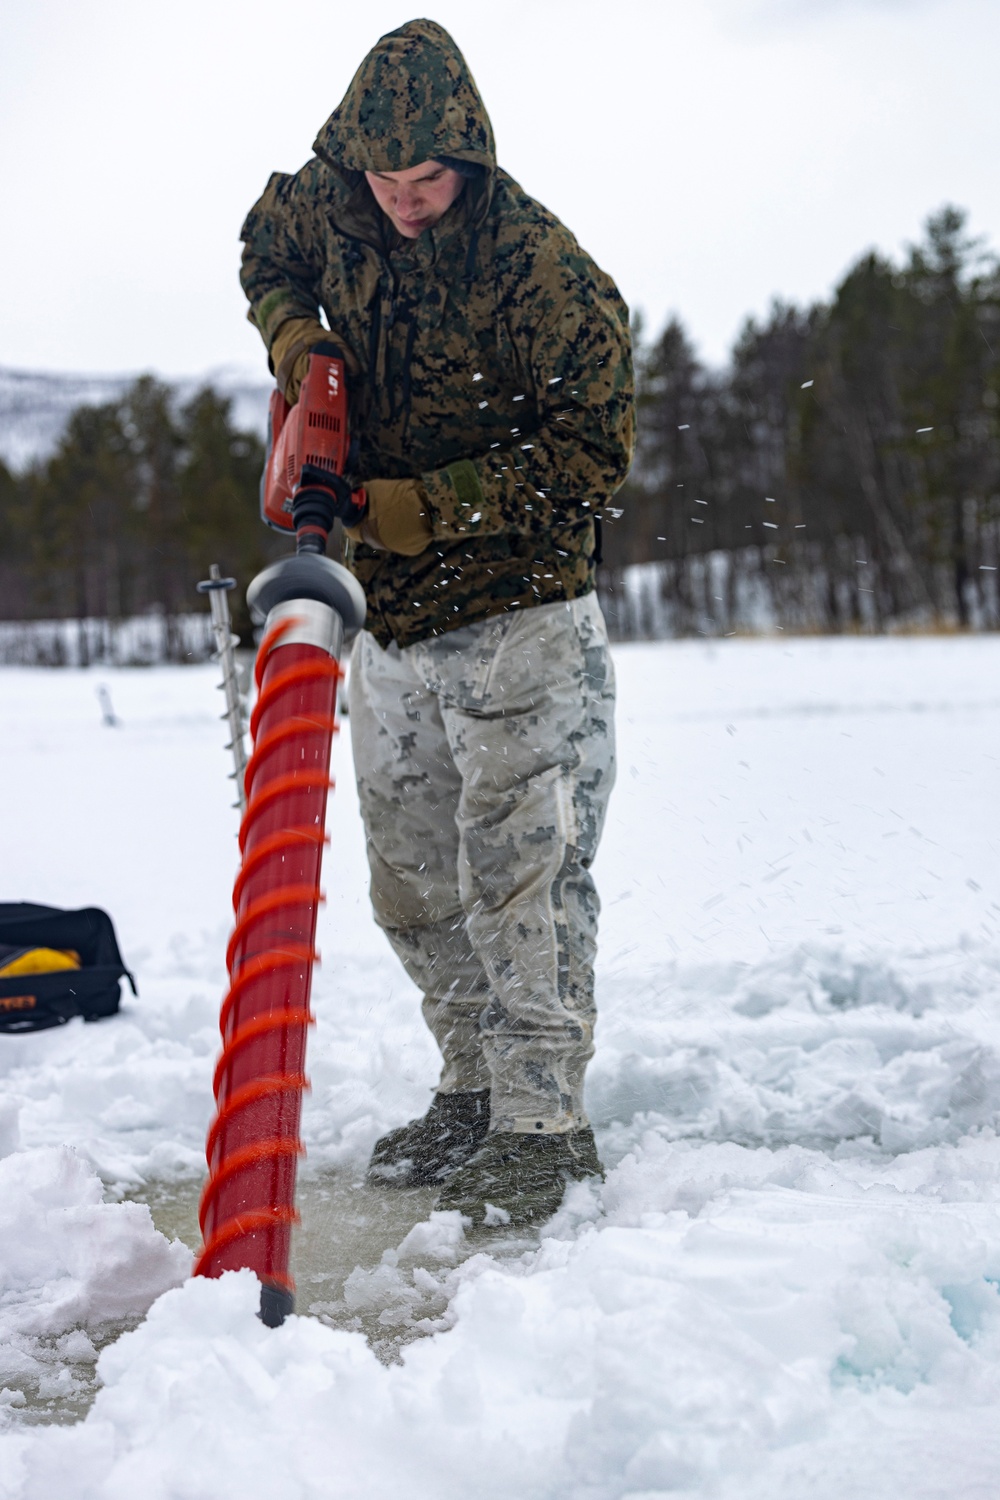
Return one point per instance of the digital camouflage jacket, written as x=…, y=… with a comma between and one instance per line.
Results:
x=490, y=357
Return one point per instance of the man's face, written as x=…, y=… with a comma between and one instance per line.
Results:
x=417, y=198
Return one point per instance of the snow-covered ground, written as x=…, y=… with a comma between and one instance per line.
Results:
x=789, y=1284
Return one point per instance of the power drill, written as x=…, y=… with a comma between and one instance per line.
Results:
x=302, y=488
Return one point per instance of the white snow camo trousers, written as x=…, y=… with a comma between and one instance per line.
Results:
x=484, y=760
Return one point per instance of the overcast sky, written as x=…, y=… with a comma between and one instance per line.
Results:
x=710, y=154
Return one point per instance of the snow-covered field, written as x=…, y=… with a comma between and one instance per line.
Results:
x=789, y=1285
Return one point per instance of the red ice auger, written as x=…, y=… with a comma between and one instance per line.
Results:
x=308, y=606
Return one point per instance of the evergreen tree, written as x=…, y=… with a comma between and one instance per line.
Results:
x=129, y=512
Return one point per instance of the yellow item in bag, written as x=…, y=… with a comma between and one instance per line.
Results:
x=36, y=961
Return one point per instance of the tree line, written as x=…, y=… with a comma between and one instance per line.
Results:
x=841, y=473
x=138, y=499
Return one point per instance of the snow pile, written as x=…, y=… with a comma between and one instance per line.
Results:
x=69, y=1262
x=809, y=1047
x=788, y=1284
x=660, y=1353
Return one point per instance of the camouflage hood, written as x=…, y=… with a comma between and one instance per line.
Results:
x=412, y=100
x=489, y=357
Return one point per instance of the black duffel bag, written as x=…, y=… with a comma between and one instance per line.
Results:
x=86, y=981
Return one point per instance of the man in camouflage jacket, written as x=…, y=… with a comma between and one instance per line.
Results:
x=491, y=396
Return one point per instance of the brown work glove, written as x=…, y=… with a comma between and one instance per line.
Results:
x=397, y=518
x=290, y=353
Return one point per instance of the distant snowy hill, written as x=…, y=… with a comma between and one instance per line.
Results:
x=35, y=405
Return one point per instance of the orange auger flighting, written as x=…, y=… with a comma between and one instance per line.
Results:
x=308, y=605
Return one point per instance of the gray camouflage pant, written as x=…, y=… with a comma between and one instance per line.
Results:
x=484, y=759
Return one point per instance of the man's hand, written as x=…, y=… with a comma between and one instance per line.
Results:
x=397, y=518
x=290, y=353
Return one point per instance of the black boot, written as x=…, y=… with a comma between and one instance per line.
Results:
x=424, y=1152
x=519, y=1179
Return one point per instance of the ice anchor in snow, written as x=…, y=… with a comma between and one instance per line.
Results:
x=217, y=587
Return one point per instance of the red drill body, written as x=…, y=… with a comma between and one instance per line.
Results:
x=307, y=443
